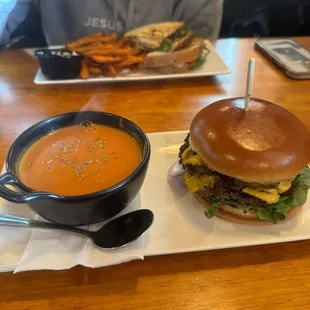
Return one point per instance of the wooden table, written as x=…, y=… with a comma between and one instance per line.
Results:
x=261, y=277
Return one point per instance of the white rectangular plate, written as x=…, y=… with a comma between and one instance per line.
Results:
x=180, y=224
x=213, y=65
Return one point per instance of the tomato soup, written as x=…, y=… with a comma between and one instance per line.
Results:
x=79, y=160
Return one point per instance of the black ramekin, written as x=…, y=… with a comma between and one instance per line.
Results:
x=59, y=64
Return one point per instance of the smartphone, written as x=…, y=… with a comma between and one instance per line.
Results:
x=292, y=58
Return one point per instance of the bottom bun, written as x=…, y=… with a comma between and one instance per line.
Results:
x=231, y=214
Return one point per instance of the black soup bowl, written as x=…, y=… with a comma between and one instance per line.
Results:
x=74, y=210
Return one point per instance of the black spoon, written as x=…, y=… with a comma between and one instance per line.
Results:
x=116, y=233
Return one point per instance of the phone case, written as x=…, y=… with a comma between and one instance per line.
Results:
x=288, y=55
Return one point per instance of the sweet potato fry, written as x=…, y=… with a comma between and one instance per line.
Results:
x=82, y=49
x=87, y=48
x=109, y=38
x=103, y=49
x=107, y=59
x=136, y=52
x=96, y=47
x=122, y=43
x=108, y=73
x=95, y=70
x=109, y=45
x=85, y=40
x=109, y=52
x=111, y=70
x=84, y=73
x=105, y=67
x=93, y=40
x=91, y=63
x=105, y=72
x=130, y=61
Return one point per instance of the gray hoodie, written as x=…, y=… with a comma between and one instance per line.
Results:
x=66, y=20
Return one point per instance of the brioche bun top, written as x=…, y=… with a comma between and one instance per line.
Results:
x=266, y=144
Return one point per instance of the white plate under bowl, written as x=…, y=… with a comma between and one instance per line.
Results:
x=214, y=65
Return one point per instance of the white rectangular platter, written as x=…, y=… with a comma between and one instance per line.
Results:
x=180, y=224
x=213, y=65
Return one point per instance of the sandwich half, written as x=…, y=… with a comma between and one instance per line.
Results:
x=166, y=37
x=171, y=47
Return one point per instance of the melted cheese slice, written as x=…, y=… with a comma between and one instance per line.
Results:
x=196, y=183
x=190, y=158
x=269, y=195
x=284, y=186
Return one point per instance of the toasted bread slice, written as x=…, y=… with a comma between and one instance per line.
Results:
x=151, y=36
x=176, y=69
x=176, y=58
x=183, y=42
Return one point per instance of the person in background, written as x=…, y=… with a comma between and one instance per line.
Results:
x=61, y=21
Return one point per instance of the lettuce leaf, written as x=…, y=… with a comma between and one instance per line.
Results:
x=302, y=186
x=214, y=204
x=200, y=61
x=182, y=33
x=304, y=177
x=277, y=211
x=165, y=46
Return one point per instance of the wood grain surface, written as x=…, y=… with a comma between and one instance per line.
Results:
x=261, y=277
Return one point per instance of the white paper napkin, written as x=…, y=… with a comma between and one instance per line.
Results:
x=52, y=249
x=23, y=249
x=13, y=240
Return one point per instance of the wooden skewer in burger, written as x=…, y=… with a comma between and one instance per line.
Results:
x=246, y=160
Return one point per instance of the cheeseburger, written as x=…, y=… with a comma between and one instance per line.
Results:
x=247, y=166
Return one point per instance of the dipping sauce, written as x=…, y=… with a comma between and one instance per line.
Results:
x=79, y=160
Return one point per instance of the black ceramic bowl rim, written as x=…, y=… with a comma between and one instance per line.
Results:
x=146, y=152
x=46, y=53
